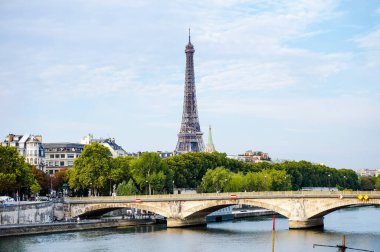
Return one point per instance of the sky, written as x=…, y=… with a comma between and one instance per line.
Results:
x=299, y=80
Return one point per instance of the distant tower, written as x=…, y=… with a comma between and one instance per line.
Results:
x=210, y=145
x=190, y=135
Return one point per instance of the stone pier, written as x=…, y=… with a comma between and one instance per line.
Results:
x=304, y=224
x=176, y=223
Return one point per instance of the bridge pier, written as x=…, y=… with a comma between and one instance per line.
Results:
x=177, y=223
x=304, y=224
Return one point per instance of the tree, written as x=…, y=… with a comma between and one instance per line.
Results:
x=15, y=173
x=126, y=188
x=378, y=183
x=35, y=187
x=236, y=183
x=367, y=183
x=59, y=178
x=42, y=179
x=150, y=173
x=280, y=180
x=216, y=180
x=92, y=169
x=189, y=168
x=120, y=170
x=258, y=181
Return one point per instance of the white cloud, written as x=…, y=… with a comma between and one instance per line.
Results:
x=250, y=50
x=84, y=80
x=370, y=42
x=331, y=112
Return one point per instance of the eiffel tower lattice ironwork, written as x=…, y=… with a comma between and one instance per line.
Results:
x=190, y=135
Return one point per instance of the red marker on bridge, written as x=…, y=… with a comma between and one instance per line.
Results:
x=233, y=196
x=138, y=200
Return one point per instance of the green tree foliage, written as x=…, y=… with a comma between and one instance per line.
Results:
x=35, y=187
x=306, y=174
x=150, y=173
x=223, y=180
x=15, y=173
x=92, y=169
x=124, y=188
x=279, y=180
x=189, y=168
x=258, y=181
x=367, y=183
x=377, y=185
x=121, y=170
x=236, y=183
x=216, y=180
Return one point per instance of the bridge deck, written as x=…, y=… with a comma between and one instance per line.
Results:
x=225, y=196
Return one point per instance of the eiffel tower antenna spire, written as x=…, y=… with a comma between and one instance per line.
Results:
x=189, y=35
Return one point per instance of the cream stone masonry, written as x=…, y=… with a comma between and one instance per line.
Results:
x=303, y=209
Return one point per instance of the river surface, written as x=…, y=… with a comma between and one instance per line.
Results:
x=360, y=225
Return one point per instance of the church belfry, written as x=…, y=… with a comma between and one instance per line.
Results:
x=190, y=135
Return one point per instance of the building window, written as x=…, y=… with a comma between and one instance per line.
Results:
x=70, y=163
x=62, y=155
x=56, y=163
x=62, y=163
x=70, y=155
x=51, y=155
x=56, y=155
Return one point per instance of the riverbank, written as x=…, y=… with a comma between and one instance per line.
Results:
x=55, y=227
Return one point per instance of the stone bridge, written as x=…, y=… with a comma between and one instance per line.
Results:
x=303, y=209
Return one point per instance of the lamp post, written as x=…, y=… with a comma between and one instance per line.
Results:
x=329, y=180
x=173, y=186
x=51, y=186
x=146, y=185
x=90, y=191
x=285, y=183
x=265, y=182
x=225, y=183
x=345, y=181
x=110, y=188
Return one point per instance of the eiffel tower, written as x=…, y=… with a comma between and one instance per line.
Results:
x=190, y=135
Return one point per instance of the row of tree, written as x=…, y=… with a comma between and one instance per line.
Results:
x=18, y=178
x=95, y=172
x=223, y=180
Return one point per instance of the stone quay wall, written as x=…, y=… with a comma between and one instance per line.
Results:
x=31, y=212
x=28, y=229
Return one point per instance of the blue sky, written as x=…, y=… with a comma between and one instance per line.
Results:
x=296, y=79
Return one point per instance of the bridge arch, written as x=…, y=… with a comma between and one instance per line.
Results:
x=332, y=208
x=202, y=210
x=101, y=208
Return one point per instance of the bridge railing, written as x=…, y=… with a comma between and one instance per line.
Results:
x=227, y=194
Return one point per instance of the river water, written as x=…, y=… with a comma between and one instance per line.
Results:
x=360, y=225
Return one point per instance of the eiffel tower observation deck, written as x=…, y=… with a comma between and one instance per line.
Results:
x=190, y=135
